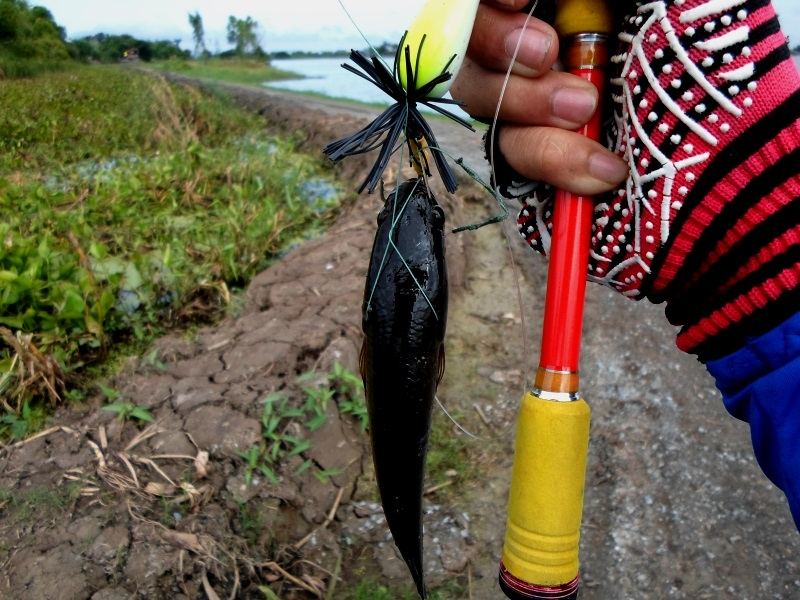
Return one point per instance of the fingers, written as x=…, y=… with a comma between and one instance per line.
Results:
x=539, y=105
x=554, y=99
x=508, y=4
x=497, y=34
x=561, y=158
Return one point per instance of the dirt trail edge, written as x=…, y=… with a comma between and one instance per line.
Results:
x=675, y=504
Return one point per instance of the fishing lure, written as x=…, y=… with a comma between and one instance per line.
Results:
x=405, y=298
x=424, y=65
x=402, y=358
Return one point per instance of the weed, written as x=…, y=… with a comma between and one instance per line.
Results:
x=127, y=411
x=350, y=394
x=368, y=589
x=447, y=452
x=341, y=385
x=131, y=205
x=19, y=426
x=38, y=503
x=282, y=427
x=250, y=520
x=268, y=593
x=325, y=475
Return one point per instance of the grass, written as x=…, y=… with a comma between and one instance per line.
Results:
x=371, y=590
x=230, y=70
x=282, y=419
x=130, y=206
x=448, y=453
x=27, y=506
x=13, y=67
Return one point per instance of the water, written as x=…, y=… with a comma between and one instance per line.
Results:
x=326, y=76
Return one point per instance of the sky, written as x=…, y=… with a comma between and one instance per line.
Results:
x=285, y=24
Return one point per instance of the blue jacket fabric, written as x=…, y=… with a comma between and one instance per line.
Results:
x=760, y=384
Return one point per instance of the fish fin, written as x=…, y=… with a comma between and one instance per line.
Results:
x=440, y=365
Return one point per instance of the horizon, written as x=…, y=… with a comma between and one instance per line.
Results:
x=313, y=26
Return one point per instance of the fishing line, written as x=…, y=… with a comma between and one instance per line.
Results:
x=456, y=423
x=495, y=119
x=361, y=33
x=494, y=191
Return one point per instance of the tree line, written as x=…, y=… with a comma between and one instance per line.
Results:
x=30, y=33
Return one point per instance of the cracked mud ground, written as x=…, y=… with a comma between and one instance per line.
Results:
x=675, y=505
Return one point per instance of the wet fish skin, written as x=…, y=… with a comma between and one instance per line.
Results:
x=402, y=358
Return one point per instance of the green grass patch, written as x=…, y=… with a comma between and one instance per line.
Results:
x=286, y=424
x=131, y=205
x=371, y=590
x=231, y=70
x=29, y=506
x=12, y=67
x=448, y=454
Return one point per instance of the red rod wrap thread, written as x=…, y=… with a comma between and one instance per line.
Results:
x=569, y=259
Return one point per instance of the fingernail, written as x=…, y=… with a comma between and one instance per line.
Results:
x=532, y=49
x=575, y=104
x=607, y=167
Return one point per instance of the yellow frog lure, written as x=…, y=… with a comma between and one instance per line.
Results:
x=438, y=39
x=427, y=59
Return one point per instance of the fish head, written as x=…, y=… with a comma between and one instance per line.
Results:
x=411, y=204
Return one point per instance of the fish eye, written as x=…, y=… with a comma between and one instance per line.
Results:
x=438, y=215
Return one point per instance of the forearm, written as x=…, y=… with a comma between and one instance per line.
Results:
x=760, y=384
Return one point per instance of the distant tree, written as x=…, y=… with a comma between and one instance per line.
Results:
x=102, y=47
x=30, y=33
x=242, y=33
x=796, y=49
x=198, y=33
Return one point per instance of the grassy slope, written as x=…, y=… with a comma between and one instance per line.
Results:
x=128, y=201
x=247, y=71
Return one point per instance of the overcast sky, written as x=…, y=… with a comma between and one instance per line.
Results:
x=285, y=24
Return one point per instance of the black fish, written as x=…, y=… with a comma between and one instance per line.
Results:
x=402, y=359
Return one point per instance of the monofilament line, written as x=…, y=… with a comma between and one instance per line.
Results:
x=514, y=268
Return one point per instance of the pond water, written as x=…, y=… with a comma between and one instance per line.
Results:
x=326, y=76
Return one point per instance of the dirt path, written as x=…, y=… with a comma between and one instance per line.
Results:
x=675, y=506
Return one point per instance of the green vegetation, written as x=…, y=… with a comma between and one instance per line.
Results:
x=127, y=411
x=131, y=205
x=232, y=70
x=285, y=425
x=372, y=590
x=447, y=454
x=19, y=426
x=280, y=439
x=106, y=48
x=243, y=34
x=349, y=391
x=30, y=41
x=198, y=34
x=25, y=506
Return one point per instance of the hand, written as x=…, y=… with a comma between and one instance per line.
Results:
x=707, y=116
x=540, y=105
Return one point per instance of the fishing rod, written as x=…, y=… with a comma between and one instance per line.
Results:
x=540, y=552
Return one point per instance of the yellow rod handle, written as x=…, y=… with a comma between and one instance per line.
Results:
x=546, y=496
